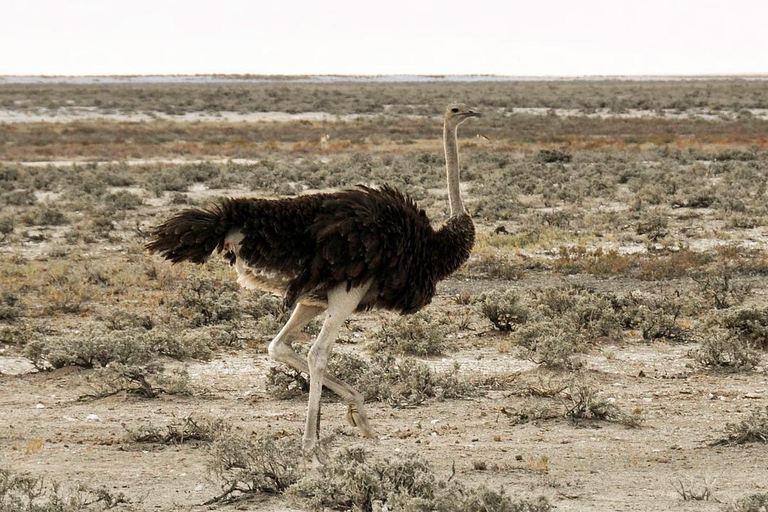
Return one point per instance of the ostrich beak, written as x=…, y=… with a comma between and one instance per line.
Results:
x=474, y=113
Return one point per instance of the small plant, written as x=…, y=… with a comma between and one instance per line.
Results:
x=654, y=225
x=401, y=382
x=23, y=492
x=544, y=343
x=67, y=292
x=721, y=291
x=748, y=324
x=352, y=481
x=692, y=490
x=206, y=302
x=755, y=503
x=582, y=403
x=90, y=348
x=180, y=431
x=550, y=156
x=123, y=200
x=11, y=307
x=418, y=335
x=503, y=309
x=724, y=351
x=753, y=429
x=147, y=381
x=246, y=466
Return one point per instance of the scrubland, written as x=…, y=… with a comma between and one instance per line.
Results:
x=603, y=348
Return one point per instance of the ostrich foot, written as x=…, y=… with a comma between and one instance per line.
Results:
x=356, y=417
x=314, y=452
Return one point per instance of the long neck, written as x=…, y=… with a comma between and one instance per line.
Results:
x=452, y=170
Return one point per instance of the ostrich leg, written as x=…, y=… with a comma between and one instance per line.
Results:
x=341, y=304
x=280, y=350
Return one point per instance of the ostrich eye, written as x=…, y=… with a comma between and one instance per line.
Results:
x=455, y=110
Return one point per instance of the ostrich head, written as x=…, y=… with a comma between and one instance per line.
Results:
x=457, y=113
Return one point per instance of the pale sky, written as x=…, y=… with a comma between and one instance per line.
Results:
x=523, y=38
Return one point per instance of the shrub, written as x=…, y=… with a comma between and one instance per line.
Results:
x=582, y=403
x=655, y=317
x=268, y=463
x=722, y=350
x=6, y=227
x=23, y=492
x=653, y=224
x=550, y=156
x=753, y=429
x=148, y=381
x=753, y=503
x=205, y=301
x=720, y=290
x=180, y=431
x=123, y=200
x=10, y=305
x=545, y=343
x=90, y=348
x=748, y=324
x=401, y=382
x=417, y=334
x=44, y=215
x=352, y=481
x=503, y=309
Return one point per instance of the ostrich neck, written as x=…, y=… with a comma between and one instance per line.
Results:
x=452, y=170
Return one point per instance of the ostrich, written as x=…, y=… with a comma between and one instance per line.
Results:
x=338, y=252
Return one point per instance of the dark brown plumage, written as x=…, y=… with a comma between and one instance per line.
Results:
x=319, y=241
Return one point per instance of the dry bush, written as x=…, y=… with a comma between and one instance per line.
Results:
x=147, y=381
x=582, y=402
x=749, y=324
x=656, y=317
x=753, y=429
x=573, y=314
x=720, y=290
x=503, y=309
x=587, y=312
x=123, y=200
x=90, y=348
x=44, y=215
x=550, y=345
x=245, y=466
x=23, y=492
x=420, y=334
x=180, y=431
x=401, y=382
x=352, y=481
x=754, y=503
x=284, y=382
x=694, y=489
x=549, y=156
x=725, y=351
x=67, y=291
x=11, y=306
x=205, y=301
x=654, y=225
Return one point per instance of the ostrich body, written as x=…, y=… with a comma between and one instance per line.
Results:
x=339, y=252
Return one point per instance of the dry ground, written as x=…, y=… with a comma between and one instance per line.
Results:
x=668, y=213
